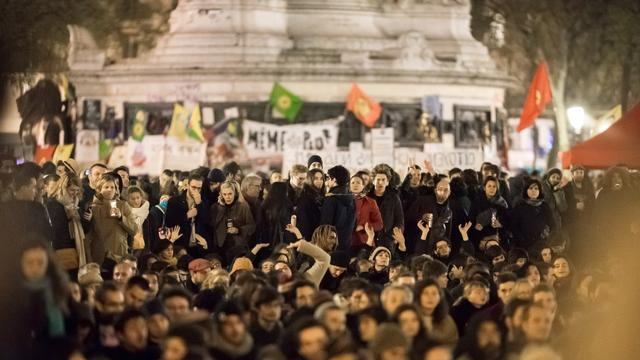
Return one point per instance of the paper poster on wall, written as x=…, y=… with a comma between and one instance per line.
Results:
x=88, y=146
x=382, y=146
x=268, y=138
x=146, y=156
x=184, y=155
x=442, y=160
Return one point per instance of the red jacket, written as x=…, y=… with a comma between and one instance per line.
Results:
x=367, y=211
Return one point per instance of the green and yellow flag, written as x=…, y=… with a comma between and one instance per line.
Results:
x=285, y=102
x=178, y=128
x=138, y=127
x=195, y=125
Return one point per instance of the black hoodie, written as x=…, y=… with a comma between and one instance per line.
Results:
x=339, y=210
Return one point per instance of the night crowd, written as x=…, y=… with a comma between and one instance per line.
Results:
x=312, y=264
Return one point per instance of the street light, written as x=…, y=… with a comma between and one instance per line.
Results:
x=576, y=118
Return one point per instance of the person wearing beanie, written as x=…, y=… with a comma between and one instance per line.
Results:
x=315, y=162
x=337, y=271
x=379, y=272
x=339, y=206
x=531, y=220
x=266, y=306
x=389, y=343
x=230, y=335
x=198, y=271
x=241, y=263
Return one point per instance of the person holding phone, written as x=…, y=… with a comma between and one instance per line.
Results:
x=112, y=222
x=232, y=221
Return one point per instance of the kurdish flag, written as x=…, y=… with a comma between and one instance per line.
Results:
x=138, y=127
x=285, y=102
x=194, y=130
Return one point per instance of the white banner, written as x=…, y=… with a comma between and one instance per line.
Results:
x=268, y=138
x=147, y=156
x=184, y=155
x=88, y=146
x=442, y=160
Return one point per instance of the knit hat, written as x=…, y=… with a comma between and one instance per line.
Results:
x=89, y=276
x=241, y=263
x=71, y=165
x=199, y=265
x=388, y=336
x=216, y=176
x=376, y=251
x=313, y=159
x=340, y=258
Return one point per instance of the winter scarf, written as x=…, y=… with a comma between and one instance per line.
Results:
x=55, y=320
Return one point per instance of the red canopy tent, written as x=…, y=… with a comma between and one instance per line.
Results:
x=620, y=143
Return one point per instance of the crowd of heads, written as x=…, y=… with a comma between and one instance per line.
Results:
x=314, y=263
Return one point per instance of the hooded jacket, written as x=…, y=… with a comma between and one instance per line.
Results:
x=339, y=210
x=309, y=211
x=108, y=235
x=176, y=215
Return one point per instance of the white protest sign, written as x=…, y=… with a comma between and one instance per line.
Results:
x=184, y=155
x=442, y=160
x=88, y=146
x=352, y=160
x=262, y=138
x=146, y=156
x=382, y=146
x=118, y=156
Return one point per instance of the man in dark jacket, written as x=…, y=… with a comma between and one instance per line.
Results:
x=339, y=207
x=190, y=212
x=24, y=214
x=435, y=213
x=580, y=197
x=389, y=204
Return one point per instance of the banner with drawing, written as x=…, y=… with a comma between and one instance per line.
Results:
x=146, y=156
x=264, y=138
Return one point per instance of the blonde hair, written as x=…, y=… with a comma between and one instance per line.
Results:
x=211, y=280
x=320, y=237
x=233, y=186
x=298, y=169
x=105, y=178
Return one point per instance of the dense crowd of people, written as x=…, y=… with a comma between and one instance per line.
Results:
x=313, y=264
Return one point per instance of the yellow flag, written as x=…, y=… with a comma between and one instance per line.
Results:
x=195, y=125
x=63, y=152
x=178, y=128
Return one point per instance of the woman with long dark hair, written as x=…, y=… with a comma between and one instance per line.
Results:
x=409, y=319
x=531, y=220
x=432, y=302
x=277, y=209
x=489, y=210
x=310, y=203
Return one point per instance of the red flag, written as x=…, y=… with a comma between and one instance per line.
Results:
x=363, y=107
x=537, y=99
